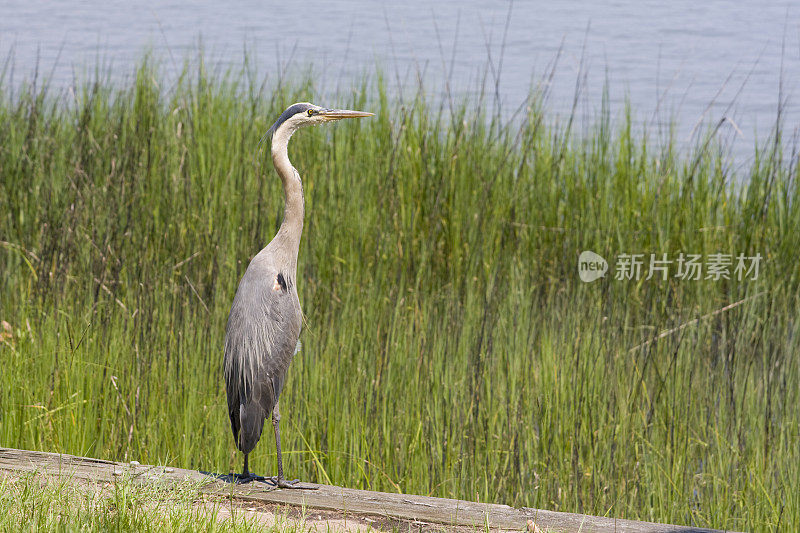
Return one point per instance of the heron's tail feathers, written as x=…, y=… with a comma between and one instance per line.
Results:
x=251, y=419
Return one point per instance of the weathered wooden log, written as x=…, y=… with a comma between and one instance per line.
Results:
x=401, y=507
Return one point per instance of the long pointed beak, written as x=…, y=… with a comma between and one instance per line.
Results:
x=338, y=114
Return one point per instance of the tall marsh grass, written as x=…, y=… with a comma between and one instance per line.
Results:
x=449, y=346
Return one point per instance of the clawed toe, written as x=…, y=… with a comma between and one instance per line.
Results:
x=281, y=483
x=241, y=479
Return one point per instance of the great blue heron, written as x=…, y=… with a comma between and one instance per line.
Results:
x=263, y=328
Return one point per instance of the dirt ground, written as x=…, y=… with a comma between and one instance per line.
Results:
x=268, y=515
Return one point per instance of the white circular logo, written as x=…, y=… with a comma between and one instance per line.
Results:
x=591, y=266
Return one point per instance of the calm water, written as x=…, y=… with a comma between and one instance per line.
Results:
x=687, y=60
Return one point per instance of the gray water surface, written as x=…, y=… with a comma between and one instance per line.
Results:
x=694, y=62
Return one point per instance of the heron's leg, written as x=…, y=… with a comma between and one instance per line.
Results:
x=246, y=476
x=279, y=480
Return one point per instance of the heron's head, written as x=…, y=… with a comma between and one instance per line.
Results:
x=306, y=114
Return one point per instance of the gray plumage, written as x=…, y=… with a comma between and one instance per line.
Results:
x=262, y=333
x=264, y=323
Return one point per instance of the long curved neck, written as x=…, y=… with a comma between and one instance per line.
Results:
x=288, y=237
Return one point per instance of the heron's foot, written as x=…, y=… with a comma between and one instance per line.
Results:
x=241, y=479
x=282, y=483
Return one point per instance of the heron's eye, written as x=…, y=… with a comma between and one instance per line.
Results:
x=310, y=112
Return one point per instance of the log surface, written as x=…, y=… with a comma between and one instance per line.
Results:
x=441, y=512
